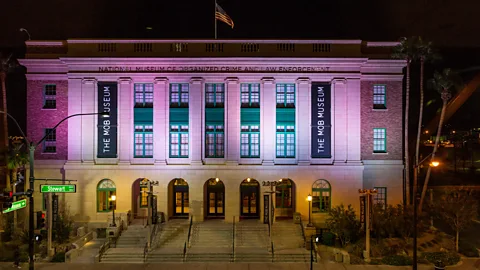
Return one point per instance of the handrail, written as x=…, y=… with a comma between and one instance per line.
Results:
x=303, y=231
x=145, y=251
x=233, y=240
x=273, y=252
x=103, y=249
x=189, y=230
x=184, y=251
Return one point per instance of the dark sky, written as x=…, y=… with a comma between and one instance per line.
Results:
x=444, y=21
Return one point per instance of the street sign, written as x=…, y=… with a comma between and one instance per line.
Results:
x=58, y=188
x=16, y=205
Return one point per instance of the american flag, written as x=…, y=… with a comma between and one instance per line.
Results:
x=221, y=15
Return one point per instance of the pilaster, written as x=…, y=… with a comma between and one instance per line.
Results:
x=340, y=118
x=196, y=107
x=268, y=120
x=160, y=125
x=303, y=121
x=353, y=121
x=74, y=123
x=232, y=123
x=125, y=112
x=88, y=103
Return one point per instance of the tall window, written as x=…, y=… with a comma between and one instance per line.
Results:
x=250, y=95
x=379, y=140
x=144, y=193
x=214, y=145
x=179, y=141
x=285, y=141
x=179, y=95
x=50, y=96
x=50, y=142
x=285, y=96
x=379, y=96
x=321, y=196
x=284, y=194
x=214, y=95
x=250, y=141
x=105, y=190
x=143, y=141
x=381, y=196
x=143, y=95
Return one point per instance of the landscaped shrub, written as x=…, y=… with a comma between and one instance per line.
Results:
x=59, y=257
x=448, y=258
x=328, y=239
x=343, y=222
x=468, y=250
x=397, y=260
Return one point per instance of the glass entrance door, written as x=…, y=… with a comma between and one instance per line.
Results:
x=181, y=204
x=249, y=192
x=215, y=203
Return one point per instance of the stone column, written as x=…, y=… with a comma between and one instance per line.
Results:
x=353, y=121
x=195, y=117
x=125, y=114
x=74, y=123
x=303, y=121
x=232, y=199
x=268, y=120
x=340, y=120
x=232, y=123
x=160, y=125
x=88, y=102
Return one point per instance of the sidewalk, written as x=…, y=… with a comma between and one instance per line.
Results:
x=89, y=251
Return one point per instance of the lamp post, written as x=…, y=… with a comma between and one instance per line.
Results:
x=416, y=168
x=270, y=204
x=368, y=193
x=29, y=192
x=309, y=199
x=113, y=198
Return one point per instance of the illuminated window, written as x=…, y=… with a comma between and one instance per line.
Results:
x=214, y=141
x=250, y=95
x=285, y=96
x=50, y=96
x=379, y=140
x=50, y=142
x=179, y=141
x=179, y=95
x=143, y=95
x=143, y=141
x=285, y=141
x=379, y=96
x=250, y=141
x=321, y=196
x=214, y=95
x=105, y=190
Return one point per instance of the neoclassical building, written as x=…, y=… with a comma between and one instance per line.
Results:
x=224, y=126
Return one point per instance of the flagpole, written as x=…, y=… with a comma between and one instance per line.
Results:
x=215, y=18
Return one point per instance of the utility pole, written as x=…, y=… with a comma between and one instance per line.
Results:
x=368, y=193
x=50, y=224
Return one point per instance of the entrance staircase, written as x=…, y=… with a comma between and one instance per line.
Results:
x=130, y=245
x=252, y=243
x=288, y=242
x=170, y=241
x=211, y=240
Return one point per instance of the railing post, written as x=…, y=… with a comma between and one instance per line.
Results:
x=233, y=240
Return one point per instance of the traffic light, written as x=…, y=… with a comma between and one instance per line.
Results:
x=40, y=220
x=7, y=199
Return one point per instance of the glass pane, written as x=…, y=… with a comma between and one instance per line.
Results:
x=245, y=204
x=211, y=203
x=102, y=201
x=185, y=203
x=178, y=202
x=220, y=203
x=253, y=203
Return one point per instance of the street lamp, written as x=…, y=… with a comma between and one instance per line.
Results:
x=309, y=199
x=29, y=192
x=368, y=193
x=113, y=198
x=416, y=168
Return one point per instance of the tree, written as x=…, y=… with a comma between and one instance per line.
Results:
x=406, y=50
x=444, y=83
x=344, y=224
x=17, y=158
x=457, y=208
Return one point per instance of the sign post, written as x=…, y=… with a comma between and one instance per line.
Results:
x=58, y=188
x=16, y=205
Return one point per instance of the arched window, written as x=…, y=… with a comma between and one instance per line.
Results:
x=321, y=196
x=105, y=190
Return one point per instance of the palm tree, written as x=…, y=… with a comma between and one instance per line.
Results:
x=17, y=158
x=444, y=83
x=405, y=50
x=424, y=53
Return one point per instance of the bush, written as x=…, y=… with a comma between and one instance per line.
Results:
x=59, y=257
x=328, y=239
x=344, y=224
x=448, y=258
x=468, y=250
x=397, y=260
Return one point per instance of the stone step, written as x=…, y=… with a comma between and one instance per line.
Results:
x=155, y=258
x=209, y=257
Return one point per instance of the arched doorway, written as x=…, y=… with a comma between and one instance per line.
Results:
x=250, y=199
x=180, y=206
x=285, y=199
x=140, y=197
x=215, y=198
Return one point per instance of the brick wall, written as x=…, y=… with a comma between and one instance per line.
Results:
x=390, y=118
x=38, y=119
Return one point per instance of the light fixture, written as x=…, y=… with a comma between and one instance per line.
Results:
x=434, y=163
x=426, y=131
x=248, y=179
x=114, y=198
x=309, y=198
x=105, y=114
x=280, y=180
x=216, y=179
